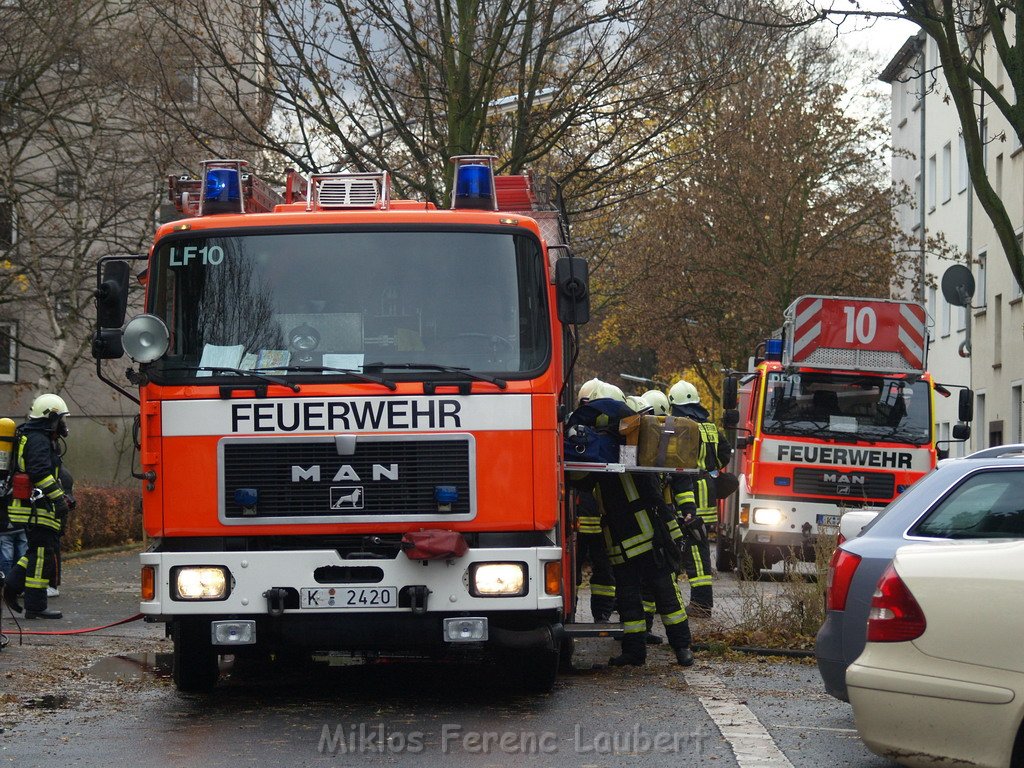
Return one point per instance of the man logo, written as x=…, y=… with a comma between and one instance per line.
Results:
x=843, y=483
x=347, y=497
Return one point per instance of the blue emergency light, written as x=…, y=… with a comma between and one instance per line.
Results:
x=773, y=349
x=474, y=187
x=222, y=191
x=446, y=494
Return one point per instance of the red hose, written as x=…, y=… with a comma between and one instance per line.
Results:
x=130, y=619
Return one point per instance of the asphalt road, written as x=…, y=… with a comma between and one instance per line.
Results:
x=104, y=699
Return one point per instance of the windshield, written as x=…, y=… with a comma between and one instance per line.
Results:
x=847, y=407
x=279, y=302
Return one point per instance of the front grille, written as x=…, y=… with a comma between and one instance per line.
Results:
x=391, y=478
x=879, y=486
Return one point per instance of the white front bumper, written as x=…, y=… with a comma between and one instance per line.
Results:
x=253, y=573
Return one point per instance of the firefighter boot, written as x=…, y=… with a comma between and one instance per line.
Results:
x=634, y=651
x=12, y=588
x=680, y=639
x=35, y=605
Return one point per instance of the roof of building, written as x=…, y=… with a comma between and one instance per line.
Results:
x=903, y=57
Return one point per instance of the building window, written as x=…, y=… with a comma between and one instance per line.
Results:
x=947, y=173
x=999, y=174
x=7, y=230
x=1016, y=400
x=8, y=349
x=964, y=174
x=946, y=314
x=979, y=420
x=980, y=298
x=67, y=183
x=961, y=318
x=997, y=330
x=899, y=95
x=932, y=182
x=1017, y=292
x=984, y=143
x=183, y=84
x=918, y=191
x=933, y=294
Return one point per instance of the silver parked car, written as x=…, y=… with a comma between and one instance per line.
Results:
x=980, y=496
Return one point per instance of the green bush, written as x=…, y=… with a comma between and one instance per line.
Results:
x=105, y=516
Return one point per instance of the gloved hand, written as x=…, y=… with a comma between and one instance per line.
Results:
x=690, y=522
x=72, y=501
x=61, y=507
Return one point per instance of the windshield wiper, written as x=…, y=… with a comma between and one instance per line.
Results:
x=500, y=383
x=324, y=369
x=241, y=372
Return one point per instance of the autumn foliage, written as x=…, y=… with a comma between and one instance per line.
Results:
x=105, y=516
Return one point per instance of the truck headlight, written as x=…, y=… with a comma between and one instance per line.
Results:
x=767, y=516
x=200, y=582
x=497, y=579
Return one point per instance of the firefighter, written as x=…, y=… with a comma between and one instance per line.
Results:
x=590, y=541
x=38, y=455
x=713, y=454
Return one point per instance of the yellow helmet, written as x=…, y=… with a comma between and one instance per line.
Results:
x=47, y=406
x=657, y=400
x=683, y=393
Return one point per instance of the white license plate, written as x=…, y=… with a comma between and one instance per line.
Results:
x=348, y=597
x=828, y=521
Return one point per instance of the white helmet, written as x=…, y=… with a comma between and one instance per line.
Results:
x=609, y=391
x=683, y=393
x=637, y=404
x=47, y=406
x=657, y=400
x=587, y=389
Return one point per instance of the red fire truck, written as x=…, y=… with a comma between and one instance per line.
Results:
x=350, y=419
x=835, y=414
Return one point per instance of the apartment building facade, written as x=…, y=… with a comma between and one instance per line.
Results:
x=981, y=346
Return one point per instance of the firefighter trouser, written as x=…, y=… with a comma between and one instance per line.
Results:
x=36, y=569
x=629, y=578
x=591, y=547
x=697, y=564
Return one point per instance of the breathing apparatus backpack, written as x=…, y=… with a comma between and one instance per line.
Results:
x=592, y=433
x=8, y=445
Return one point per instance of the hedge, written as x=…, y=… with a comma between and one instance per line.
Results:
x=105, y=516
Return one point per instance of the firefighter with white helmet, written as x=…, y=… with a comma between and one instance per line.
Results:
x=657, y=400
x=40, y=504
x=696, y=503
x=589, y=538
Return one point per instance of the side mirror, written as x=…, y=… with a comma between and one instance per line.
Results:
x=731, y=418
x=966, y=409
x=107, y=345
x=112, y=295
x=961, y=431
x=571, y=282
x=730, y=394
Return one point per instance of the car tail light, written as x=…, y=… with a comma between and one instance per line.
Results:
x=840, y=574
x=895, y=616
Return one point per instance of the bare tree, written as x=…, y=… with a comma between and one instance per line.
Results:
x=586, y=92
x=965, y=32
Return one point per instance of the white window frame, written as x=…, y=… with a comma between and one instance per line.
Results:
x=980, y=429
x=947, y=172
x=980, y=299
x=947, y=311
x=964, y=176
x=1017, y=291
x=1016, y=410
x=933, y=182
x=11, y=374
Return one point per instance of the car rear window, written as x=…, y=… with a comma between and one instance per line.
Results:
x=985, y=505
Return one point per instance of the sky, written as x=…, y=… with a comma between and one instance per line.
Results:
x=882, y=38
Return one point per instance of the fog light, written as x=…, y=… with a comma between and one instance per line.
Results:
x=233, y=632
x=199, y=582
x=466, y=629
x=497, y=579
x=767, y=516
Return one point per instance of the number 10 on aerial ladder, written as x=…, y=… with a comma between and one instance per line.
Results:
x=835, y=414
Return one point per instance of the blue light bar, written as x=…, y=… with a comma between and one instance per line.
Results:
x=474, y=187
x=446, y=494
x=773, y=349
x=222, y=185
